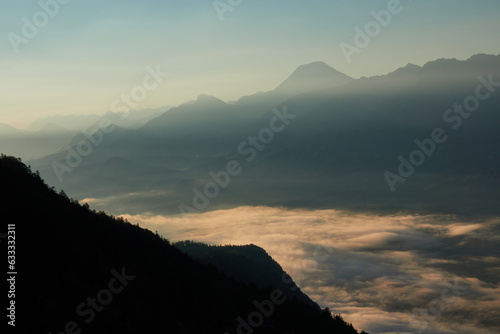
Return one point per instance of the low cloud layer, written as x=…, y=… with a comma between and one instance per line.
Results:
x=385, y=274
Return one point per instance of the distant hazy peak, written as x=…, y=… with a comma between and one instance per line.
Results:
x=451, y=63
x=317, y=75
x=7, y=128
x=65, y=121
x=483, y=59
x=409, y=69
x=441, y=64
x=208, y=99
x=483, y=56
x=316, y=69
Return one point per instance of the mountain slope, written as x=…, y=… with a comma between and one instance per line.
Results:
x=249, y=264
x=84, y=270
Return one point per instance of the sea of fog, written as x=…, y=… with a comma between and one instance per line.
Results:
x=385, y=274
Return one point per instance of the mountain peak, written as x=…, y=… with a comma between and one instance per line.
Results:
x=315, y=68
x=409, y=69
x=313, y=76
x=483, y=59
x=442, y=65
x=453, y=66
x=208, y=99
x=6, y=128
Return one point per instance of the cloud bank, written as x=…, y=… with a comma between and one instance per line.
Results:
x=385, y=274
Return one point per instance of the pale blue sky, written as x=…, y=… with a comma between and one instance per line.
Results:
x=93, y=51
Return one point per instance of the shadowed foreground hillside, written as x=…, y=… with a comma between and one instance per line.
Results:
x=249, y=264
x=81, y=271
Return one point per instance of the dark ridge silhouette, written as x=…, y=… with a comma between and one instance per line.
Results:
x=249, y=264
x=67, y=255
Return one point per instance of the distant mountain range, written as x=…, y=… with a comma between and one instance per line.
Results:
x=132, y=119
x=348, y=144
x=50, y=134
x=81, y=270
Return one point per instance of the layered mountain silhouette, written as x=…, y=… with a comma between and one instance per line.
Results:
x=345, y=136
x=81, y=270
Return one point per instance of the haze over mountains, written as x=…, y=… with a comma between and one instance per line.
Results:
x=340, y=139
x=46, y=135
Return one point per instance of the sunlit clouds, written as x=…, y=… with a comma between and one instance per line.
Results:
x=386, y=274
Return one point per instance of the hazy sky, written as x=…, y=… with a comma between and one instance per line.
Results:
x=90, y=52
